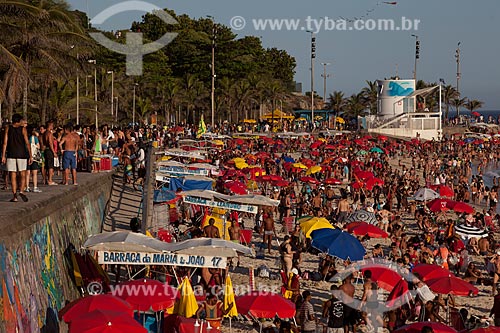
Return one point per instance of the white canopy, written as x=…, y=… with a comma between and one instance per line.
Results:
x=124, y=241
x=210, y=247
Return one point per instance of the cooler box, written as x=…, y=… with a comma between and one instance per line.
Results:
x=105, y=164
x=115, y=161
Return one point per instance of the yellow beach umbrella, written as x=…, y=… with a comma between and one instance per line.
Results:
x=241, y=165
x=340, y=120
x=237, y=160
x=250, y=121
x=301, y=119
x=229, y=298
x=186, y=306
x=218, y=142
x=315, y=223
x=322, y=139
x=299, y=165
x=313, y=170
x=165, y=158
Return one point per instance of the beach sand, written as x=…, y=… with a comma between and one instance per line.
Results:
x=479, y=305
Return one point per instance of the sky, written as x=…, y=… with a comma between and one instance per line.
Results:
x=359, y=55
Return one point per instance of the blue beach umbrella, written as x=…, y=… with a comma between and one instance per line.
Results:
x=469, y=140
x=338, y=243
x=289, y=159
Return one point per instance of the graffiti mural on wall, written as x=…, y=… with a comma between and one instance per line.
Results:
x=33, y=273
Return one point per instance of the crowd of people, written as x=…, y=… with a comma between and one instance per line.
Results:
x=48, y=151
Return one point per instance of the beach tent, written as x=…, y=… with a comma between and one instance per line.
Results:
x=190, y=183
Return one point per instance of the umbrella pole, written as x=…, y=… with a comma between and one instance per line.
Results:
x=230, y=325
x=176, y=277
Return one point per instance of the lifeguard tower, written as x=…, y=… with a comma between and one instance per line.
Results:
x=399, y=114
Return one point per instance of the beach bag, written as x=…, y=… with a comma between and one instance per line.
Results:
x=36, y=154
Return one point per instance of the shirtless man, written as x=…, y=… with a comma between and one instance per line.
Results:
x=69, y=147
x=342, y=210
x=210, y=230
x=347, y=297
x=316, y=203
x=267, y=229
x=484, y=246
x=47, y=145
x=369, y=292
x=234, y=235
x=330, y=194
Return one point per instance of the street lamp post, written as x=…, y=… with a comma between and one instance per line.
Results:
x=116, y=110
x=417, y=56
x=325, y=76
x=95, y=92
x=212, y=68
x=457, y=56
x=112, y=92
x=313, y=56
x=77, y=98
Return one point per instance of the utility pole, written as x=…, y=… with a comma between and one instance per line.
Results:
x=212, y=67
x=313, y=56
x=417, y=56
x=95, y=92
x=325, y=76
x=112, y=91
x=457, y=56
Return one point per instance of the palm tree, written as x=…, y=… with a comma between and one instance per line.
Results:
x=370, y=95
x=36, y=34
x=355, y=105
x=474, y=104
x=171, y=92
x=458, y=103
x=144, y=107
x=448, y=93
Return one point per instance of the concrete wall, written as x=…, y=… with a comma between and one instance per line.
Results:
x=33, y=274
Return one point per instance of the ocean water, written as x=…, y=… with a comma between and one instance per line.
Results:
x=489, y=172
x=485, y=113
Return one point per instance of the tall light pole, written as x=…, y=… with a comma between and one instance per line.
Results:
x=325, y=76
x=133, y=106
x=313, y=56
x=77, y=97
x=457, y=56
x=116, y=110
x=95, y=92
x=112, y=92
x=212, y=68
x=417, y=56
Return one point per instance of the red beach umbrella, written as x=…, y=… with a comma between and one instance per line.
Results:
x=100, y=321
x=97, y=302
x=332, y=181
x=385, y=277
x=281, y=183
x=400, y=294
x=366, y=229
x=417, y=328
x=370, y=183
x=310, y=180
x=265, y=305
x=476, y=114
x=429, y=272
x=462, y=207
x=147, y=294
x=364, y=175
x=452, y=285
